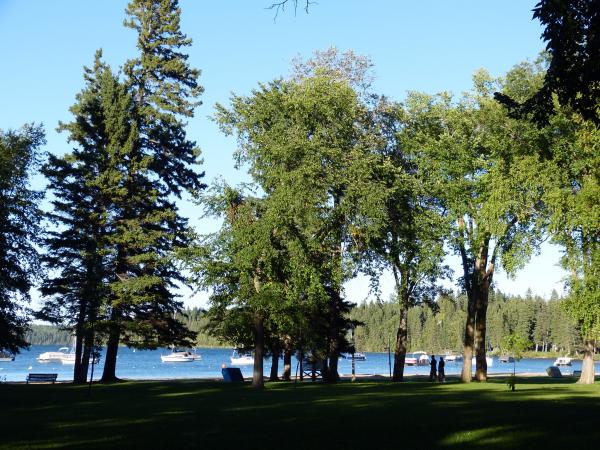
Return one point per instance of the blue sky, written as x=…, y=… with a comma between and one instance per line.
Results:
x=415, y=45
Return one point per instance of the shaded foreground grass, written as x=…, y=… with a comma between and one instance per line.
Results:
x=368, y=415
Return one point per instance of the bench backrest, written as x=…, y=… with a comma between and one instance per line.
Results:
x=42, y=376
x=232, y=375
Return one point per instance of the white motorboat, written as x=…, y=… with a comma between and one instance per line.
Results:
x=422, y=358
x=416, y=359
x=185, y=356
x=6, y=357
x=241, y=359
x=358, y=356
x=453, y=357
x=488, y=359
x=506, y=359
x=63, y=353
x=563, y=361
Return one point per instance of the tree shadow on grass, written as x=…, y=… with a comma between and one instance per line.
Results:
x=191, y=414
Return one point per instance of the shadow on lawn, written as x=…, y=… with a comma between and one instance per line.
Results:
x=191, y=414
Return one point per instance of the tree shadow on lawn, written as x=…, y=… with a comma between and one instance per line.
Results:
x=190, y=414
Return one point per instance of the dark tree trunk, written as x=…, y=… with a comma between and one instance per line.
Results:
x=588, y=371
x=477, y=281
x=480, y=331
x=259, y=352
x=330, y=372
x=79, y=376
x=287, y=365
x=85, y=358
x=469, y=340
x=401, y=343
x=109, y=374
x=274, y=375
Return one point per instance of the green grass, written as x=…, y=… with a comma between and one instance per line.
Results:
x=541, y=413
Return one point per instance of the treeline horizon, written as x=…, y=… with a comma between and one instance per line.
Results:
x=435, y=328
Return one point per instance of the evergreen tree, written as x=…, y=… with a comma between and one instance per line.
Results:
x=148, y=227
x=19, y=231
x=85, y=185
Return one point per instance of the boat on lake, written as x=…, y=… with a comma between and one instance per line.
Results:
x=453, y=357
x=416, y=359
x=63, y=353
x=6, y=357
x=563, y=361
x=180, y=356
x=241, y=358
x=506, y=359
x=358, y=356
x=488, y=359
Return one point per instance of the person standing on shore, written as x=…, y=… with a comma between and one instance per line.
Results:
x=441, y=370
x=432, y=372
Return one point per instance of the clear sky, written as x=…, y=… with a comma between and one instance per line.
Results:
x=423, y=45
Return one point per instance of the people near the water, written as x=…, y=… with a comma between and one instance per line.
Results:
x=433, y=371
x=441, y=370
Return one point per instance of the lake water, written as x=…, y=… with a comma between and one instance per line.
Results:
x=148, y=365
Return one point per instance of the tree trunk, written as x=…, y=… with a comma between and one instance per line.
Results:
x=330, y=373
x=274, y=376
x=588, y=371
x=480, y=330
x=259, y=352
x=79, y=377
x=466, y=375
x=85, y=358
x=401, y=342
x=109, y=374
x=287, y=365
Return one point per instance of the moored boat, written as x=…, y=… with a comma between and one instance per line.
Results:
x=506, y=359
x=422, y=358
x=6, y=357
x=358, y=356
x=416, y=359
x=241, y=358
x=563, y=361
x=63, y=353
x=185, y=356
x=453, y=357
x=488, y=359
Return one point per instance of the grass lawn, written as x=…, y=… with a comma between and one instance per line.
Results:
x=541, y=413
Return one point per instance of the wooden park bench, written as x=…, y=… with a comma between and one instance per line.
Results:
x=41, y=377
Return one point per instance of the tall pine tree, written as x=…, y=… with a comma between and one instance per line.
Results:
x=148, y=227
x=19, y=230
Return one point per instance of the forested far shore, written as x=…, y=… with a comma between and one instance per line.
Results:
x=434, y=328
x=439, y=327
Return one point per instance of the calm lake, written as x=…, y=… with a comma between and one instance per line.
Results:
x=148, y=365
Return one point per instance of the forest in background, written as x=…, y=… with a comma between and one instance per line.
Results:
x=434, y=328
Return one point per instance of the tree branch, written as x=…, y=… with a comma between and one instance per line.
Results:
x=277, y=6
